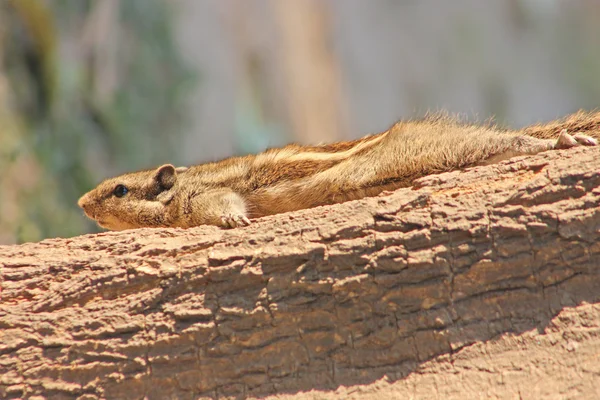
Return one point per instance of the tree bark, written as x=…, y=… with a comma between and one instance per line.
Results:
x=468, y=275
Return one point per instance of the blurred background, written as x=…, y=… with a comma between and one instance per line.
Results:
x=95, y=88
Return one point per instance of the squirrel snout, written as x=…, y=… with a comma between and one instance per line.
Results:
x=85, y=202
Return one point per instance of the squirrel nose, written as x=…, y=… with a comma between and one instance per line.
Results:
x=84, y=201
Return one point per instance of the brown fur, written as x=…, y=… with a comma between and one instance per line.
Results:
x=230, y=191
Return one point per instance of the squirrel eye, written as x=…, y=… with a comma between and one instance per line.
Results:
x=120, y=191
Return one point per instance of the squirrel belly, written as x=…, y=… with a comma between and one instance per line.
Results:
x=230, y=192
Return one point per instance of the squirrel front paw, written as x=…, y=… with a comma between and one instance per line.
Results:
x=234, y=220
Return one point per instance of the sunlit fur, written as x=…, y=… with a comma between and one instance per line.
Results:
x=296, y=177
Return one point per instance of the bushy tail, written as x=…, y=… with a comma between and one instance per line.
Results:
x=579, y=122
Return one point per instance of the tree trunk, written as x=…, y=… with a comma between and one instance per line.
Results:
x=311, y=70
x=472, y=283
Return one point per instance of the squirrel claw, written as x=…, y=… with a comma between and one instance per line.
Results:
x=234, y=220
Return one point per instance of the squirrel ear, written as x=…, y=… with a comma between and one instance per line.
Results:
x=165, y=177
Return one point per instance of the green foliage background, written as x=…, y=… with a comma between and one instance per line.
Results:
x=62, y=119
x=95, y=88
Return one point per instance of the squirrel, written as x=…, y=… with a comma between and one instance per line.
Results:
x=230, y=192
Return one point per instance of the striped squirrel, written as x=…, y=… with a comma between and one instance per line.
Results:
x=228, y=193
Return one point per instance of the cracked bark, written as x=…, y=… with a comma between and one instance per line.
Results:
x=422, y=292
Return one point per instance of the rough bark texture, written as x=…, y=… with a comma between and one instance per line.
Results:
x=484, y=282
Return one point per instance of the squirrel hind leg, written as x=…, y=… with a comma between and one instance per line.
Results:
x=566, y=141
x=527, y=145
x=521, y=146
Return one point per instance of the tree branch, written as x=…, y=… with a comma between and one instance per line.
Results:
x=339, y=295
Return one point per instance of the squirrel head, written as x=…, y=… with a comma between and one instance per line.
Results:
x=134, y=200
